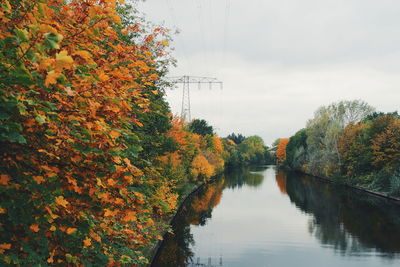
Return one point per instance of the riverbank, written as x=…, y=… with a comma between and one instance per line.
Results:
x=355, y=187
x=184, y=198
x=256, y=217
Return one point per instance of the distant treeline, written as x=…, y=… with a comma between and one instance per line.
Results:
x=247, y=151
x=349, y=142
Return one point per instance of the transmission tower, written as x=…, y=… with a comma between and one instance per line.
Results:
x=186, y=81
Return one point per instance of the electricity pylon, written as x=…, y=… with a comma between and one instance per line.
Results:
x=186, y=81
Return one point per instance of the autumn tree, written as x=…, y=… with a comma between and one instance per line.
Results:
x=323, y=133
x=281, y=150
x=77, y=94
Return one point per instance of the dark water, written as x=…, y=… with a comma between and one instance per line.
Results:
x=265, y=217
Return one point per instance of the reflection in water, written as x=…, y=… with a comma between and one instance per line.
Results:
x=175, y=249
x=347, y=222
x=281, y=181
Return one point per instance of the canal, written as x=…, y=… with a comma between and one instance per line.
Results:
x=269, y=218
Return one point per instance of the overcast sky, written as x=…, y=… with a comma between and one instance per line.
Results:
x=281, y=60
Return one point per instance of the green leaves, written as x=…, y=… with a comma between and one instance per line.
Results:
x=22, y=35
x=11, y=132
x=52, y=40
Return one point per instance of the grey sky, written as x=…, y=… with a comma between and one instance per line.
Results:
x=281, y=60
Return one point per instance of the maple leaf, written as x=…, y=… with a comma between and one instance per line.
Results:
x=63, y=61
x=34, y=227
x=53, y=228
x=51, y=78
x=4, y=179
x=39, y=179
x=60, y=200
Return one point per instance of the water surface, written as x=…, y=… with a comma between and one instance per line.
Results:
x=264, y=217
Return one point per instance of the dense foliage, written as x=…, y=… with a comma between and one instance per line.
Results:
x=350, y=142
x=246, y=150
x=90, y=157
x=200, y=127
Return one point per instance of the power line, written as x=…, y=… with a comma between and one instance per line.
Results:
x=181, y=40
x=186, y=81
x=226, y=24
x=202, y=33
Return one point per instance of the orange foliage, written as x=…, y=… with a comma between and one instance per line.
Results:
x=201, y=167
x=80, y=89
x=281, y=150
x=281, y=181
x=218, y=146
x=200, y=158
x=386, y=146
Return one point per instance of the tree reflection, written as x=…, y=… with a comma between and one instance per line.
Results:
x=244, y=176
x=281, y=181
x=175, y=248
x=350, y=221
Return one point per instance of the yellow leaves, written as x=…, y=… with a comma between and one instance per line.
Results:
x=87, y=242
x=39, y=179
x=45, y=28
x=85, y=55
x=34, y=227
x=63, y=61
x=218, y=144
x=53, y=228
x=201, y=166
x=115, y=134
x=4, y=179
x=130, y=217
x=70, y=230
x=45, y=63
x=51, y=78
x=117, y=160
x=3, y=211
x=165, y=43
x=99, y=183
x=60, y=200
x=4, y=247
